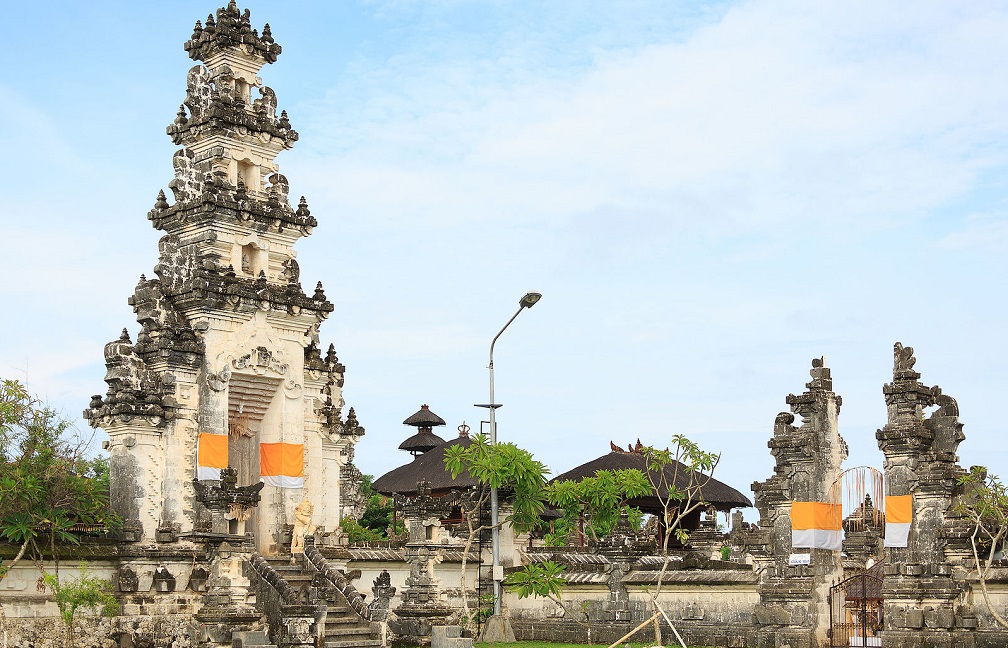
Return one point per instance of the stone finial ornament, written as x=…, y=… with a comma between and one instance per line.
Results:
x=903, y=360
x=231, y=29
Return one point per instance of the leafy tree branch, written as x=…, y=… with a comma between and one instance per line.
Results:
x=984, y=501
x=501, y=466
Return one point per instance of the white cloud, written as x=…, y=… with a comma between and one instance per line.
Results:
x=777, y=114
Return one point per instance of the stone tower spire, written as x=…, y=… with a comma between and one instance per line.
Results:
x=792, y=609
x=229, y=339
x=924, y=581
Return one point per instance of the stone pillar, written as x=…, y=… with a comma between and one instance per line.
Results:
x=793, y=609
x=226, y=606
x=924, y=581
x=422, y=607
x=623, y=547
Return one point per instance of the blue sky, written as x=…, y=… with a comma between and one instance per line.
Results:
x=708, y=195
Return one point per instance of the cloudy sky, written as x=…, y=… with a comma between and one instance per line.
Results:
x=708, y=195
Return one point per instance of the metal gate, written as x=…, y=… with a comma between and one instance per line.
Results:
x=856, y=609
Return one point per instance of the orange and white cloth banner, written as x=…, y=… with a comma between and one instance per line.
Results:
x=816, y=525
x=211, y=455
x=282, y=464
x=898, y=516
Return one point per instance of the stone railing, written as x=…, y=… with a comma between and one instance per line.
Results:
x=334, y=578
x=292, y=619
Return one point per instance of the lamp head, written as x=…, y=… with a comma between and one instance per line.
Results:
x=530, y=299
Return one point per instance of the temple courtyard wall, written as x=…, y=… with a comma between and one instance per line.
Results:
x=708, y=607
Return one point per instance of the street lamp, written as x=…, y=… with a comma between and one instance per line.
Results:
x=528, y=301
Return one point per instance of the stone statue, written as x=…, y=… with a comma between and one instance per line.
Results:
x=302, y=526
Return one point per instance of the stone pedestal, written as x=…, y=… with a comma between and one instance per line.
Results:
x=226, y=605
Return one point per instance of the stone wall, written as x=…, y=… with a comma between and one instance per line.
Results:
x=706, y=611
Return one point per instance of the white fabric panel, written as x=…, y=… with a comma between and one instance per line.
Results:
x=816, y=539
x=206, y=472
x=897, y=535
x=281, y=481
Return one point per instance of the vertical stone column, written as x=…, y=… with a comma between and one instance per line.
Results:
x=134, y=457
x=793, y=609
x=924, y=581
x=422, y=606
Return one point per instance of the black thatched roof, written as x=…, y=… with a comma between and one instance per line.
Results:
x=424, y=418
x=421, y=442
x=718, y=494
x=429, y=467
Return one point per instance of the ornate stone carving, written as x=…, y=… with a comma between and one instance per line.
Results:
x=231, y=29
x=422, y=606
x=382, y=596
x=302, y=526
x=260, y=360
x=920, y=460
x=127, y=580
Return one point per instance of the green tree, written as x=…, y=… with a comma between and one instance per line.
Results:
x=678, y=474
x=86, y=591
x=376, y=519
x=47, y=483
x=594, y=503
x=984, y=500
x=379, y=510
x=501, y=466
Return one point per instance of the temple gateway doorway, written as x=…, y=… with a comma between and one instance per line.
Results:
x=252, y=407
x=856, y=609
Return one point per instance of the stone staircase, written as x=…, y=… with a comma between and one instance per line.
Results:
x=344, y=627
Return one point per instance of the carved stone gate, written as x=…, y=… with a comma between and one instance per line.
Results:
x=856, y=609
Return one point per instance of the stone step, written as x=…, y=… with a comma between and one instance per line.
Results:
x=345, y=632
x=343, y=618
x=344, y=628
x=354, y=643
x=250, y=639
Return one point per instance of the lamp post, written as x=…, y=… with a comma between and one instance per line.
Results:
x=528, y=301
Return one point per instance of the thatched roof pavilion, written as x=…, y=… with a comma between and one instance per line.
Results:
x=716, y=493
x=428, y=450
x=428, y=467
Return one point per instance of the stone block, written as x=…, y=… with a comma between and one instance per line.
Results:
x=938, y=617
x=914, y=618
x=772, y=615
x=247, y=639
x=498, y=630
x=449, y=637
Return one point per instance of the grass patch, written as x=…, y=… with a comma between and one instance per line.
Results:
x=548, y=644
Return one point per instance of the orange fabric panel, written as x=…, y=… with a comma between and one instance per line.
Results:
x=899, y=509
x=816, y=515
x=281, y=459
x=212, y=451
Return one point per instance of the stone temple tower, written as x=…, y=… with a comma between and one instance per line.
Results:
x=229, y=340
